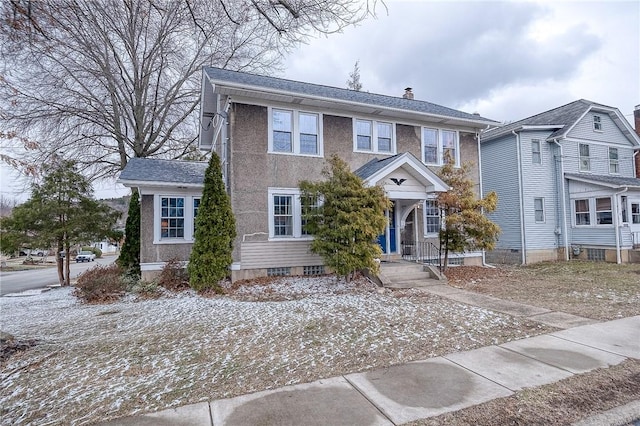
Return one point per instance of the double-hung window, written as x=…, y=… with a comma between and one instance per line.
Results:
x=604, y=214
x=196, y=207
x=585, y=160
x=431, y=217
x=597, y=123
x=295, y=132
x=538, y=208
x=614, y=167
x=635, y=213
x=285, y=214
x=536, y=154
x=583, y=214
x=439, y=146
x=373, y=136
x=172, y=217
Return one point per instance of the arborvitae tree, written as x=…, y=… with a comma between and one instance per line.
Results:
x=354, y=78
x=345, y=217
x=215, y=231
x=129, y=259
x=60, y=213
x=465, y=227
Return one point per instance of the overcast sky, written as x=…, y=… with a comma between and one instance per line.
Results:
x=505, y=60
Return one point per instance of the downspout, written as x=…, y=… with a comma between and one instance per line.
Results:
x=484, y=259
x=565, y=230
x=616, y=224
x=521, y=196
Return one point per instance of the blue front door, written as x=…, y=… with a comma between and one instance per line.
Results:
x=382, y=239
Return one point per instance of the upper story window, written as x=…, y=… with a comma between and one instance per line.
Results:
x=614, y=167
x=295, y=132
x=439, y=145
x=373, y=136
x=585, y=160
x=536, y=154
x=597, y=123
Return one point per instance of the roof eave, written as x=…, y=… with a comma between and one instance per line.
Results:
x=158, y=184
x=262, y=89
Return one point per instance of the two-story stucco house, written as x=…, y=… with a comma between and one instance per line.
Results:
x=271, y=133
x=566, y=184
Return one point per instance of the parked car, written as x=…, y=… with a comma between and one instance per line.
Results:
x=85, y=256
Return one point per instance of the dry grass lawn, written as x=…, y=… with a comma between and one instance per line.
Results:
x=597, y=290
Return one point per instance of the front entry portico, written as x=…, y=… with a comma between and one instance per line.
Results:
x=407, y=182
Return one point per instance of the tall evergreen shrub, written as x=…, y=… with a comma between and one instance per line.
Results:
x=129, y=259
x=215, y=231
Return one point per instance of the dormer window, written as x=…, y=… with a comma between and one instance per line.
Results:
x=597, y=123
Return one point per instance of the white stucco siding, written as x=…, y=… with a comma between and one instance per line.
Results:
x=539, y=181
x=609, y=132
x=500, y=174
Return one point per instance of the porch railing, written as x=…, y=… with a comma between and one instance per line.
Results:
x=421, y=252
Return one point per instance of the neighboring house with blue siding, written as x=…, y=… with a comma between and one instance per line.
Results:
x=566, y=185
x=270, y=134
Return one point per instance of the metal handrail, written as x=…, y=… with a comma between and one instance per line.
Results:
x=421, y=252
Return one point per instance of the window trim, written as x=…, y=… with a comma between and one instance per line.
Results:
x=440, y=146
x=375, y=149
x=575, y=213
x=597, y=123
x=189, y=223
x=295, y=130
x=425, y=231
x=544, y=216
x=613, y=162
x=533, y=152
x=582, y=157
x=297, y=215
x=603, y=211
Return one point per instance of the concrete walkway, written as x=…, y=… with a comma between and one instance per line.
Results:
x=406, y=392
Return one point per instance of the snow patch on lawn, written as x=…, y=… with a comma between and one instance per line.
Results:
x=95, y=362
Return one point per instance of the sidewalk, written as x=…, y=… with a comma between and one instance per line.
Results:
x=421, y=389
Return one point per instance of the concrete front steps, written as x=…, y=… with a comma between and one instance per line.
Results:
x=401, y=274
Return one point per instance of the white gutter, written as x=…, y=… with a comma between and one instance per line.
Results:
x=565, y=230
x=521, y=196
x=270, y=91
x=616, y=224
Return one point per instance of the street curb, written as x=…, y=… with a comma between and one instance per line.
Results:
x=615, y=417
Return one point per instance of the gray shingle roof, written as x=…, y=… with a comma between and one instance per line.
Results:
x=617, y=181
x=164, y=171
x=563, y=117
x=291, y=86
x=374, y=166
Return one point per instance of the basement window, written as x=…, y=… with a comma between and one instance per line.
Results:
x=278, y=272
x=313, y=270
x=595, y=254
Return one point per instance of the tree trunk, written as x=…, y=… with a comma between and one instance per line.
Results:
x=67, y=269
x=59, y=262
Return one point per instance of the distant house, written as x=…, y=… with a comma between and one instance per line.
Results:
x=567, y=185
x=272, y=133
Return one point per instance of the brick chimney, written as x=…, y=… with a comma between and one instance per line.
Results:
x=636, y=117
x=408, y=94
